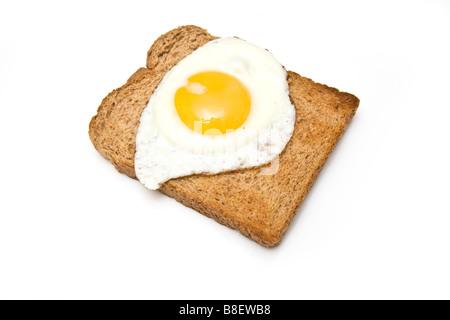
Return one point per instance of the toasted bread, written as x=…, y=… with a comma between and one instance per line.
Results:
x=260, y=206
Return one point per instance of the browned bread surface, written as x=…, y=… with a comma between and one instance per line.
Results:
x=260, y=206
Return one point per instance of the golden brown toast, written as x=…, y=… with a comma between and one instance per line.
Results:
x=260, y=206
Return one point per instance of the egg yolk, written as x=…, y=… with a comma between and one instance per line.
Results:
x=213, y=103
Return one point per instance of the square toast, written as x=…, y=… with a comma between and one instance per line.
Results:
x=260, y=206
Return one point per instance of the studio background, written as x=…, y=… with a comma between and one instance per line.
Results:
x=374, y=226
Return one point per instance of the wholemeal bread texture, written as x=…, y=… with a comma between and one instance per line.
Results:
x=260, y=206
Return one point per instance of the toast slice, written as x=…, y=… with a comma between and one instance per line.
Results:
x=260, y=206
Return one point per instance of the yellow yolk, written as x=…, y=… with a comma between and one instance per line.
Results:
x=213, y=103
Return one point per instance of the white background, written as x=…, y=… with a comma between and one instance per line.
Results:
x=376, y=224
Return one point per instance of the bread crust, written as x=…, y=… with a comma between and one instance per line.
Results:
x=260, y=206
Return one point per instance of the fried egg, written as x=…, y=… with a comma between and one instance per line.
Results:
x=224, y=107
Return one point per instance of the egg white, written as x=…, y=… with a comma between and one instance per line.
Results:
x=166, y=148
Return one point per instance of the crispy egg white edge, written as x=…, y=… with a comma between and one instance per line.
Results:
x=166, y=148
